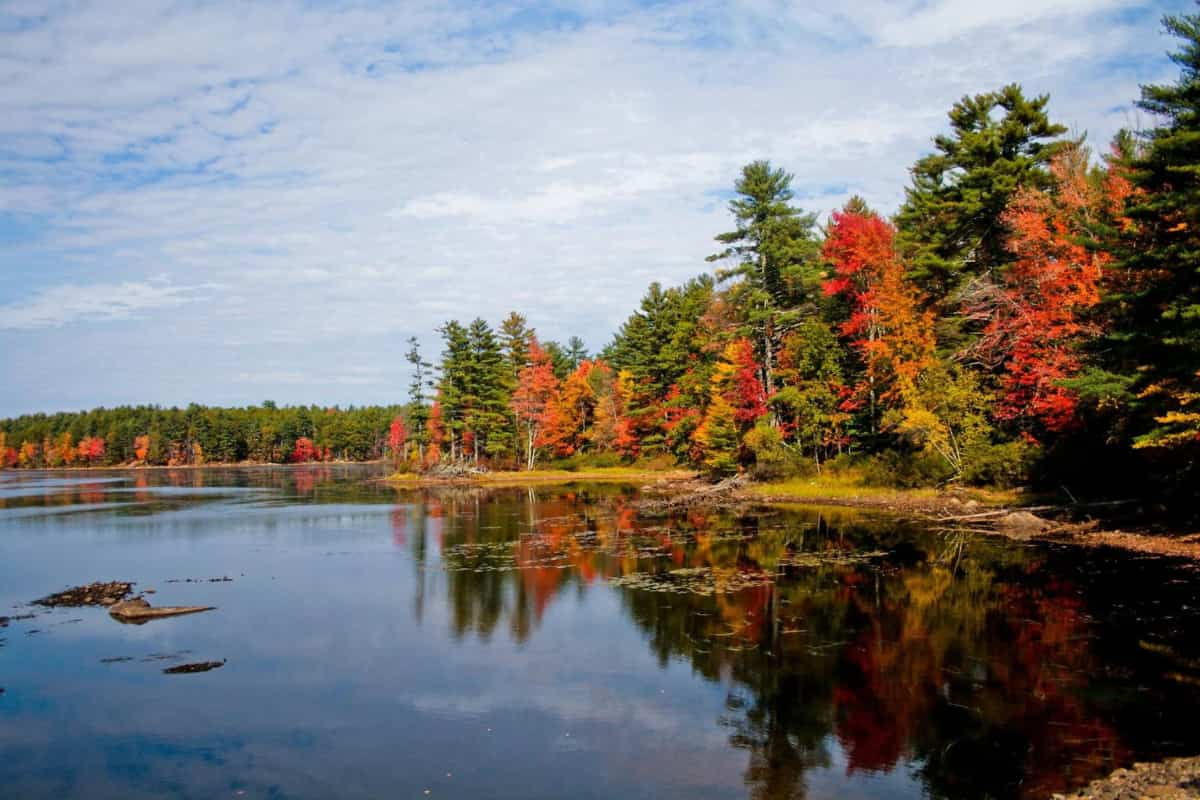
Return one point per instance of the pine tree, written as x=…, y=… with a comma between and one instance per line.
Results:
x=454, y=390
x=576, y=351
x=418, y=411
x=950, y=226
x=774, y=251
x=489, y=386
x=1160, y=326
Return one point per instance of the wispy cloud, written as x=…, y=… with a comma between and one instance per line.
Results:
x=61, y=305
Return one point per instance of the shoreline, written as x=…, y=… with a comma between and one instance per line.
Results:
x=542, y=477
x=985, y=511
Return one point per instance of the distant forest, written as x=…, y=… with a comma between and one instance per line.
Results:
x=1030, y=314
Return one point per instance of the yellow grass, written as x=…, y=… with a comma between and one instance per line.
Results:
x=847, y=485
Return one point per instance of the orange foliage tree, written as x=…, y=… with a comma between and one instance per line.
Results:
x=536, y=392
x=1037, y=321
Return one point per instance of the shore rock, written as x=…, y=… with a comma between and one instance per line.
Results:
x=138, y=611
x=1173, y=779
x=1022, y=524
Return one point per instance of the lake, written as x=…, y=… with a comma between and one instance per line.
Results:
x=553, y=643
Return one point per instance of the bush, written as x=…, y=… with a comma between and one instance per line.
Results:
x=1003, y=465
x=773, y=461
x=896, y=469
x=585, y=461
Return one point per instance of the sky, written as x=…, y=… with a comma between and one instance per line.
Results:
x=228, y=203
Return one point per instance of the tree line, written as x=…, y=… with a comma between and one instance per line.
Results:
x=1031, y=312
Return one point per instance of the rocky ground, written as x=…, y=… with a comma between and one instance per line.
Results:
x=1174, y=779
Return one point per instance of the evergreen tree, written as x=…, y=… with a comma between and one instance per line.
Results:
x=950, y=222
x=454, y=390
x=489, y=386
x=1159, y=328
x=418, y=410
x=576, y=351
x=515, y=338
x=774, y=251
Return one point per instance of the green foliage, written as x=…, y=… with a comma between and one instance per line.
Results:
x=774, y=252
x=1007, y=464
x=895, y=469
x=950, y=221
x=1157, y=341
x=773, y=459
x=196, y=434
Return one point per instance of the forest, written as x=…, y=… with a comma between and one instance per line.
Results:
x=1029, y=315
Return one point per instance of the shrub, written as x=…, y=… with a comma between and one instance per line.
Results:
x=1003, y=465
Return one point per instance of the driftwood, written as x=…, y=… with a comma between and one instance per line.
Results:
x=724, y=493
x=138, y=611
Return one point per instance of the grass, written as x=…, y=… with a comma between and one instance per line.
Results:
x=848, y=485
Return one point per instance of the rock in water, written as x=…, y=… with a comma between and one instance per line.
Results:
x=138, y=611
x=93, y=594
x=1022, y=524
x=199, y=666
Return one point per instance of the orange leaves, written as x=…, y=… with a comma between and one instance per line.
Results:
x=91, y=449
x=535, y=395
x=141, y=447
x=888, y=327
x=397, y=438
x=1036, y=327
x=736, y=379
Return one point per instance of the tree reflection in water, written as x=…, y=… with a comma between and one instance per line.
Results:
x=971, y=662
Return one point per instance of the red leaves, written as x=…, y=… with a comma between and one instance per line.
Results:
x=887, y=325
x=397, y=438
x=534, y=400
x=304, y=451
x=746, y=393
x=91, y=449
x=1035, y=328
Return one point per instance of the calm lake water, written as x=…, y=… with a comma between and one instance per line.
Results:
x=551, y=643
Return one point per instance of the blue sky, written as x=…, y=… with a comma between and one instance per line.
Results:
x=227, y=203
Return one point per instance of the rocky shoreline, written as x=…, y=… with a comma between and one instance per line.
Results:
x=1173, y=779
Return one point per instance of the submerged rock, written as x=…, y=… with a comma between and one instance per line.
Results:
x=92, y=594
x=198, y=666
x=138, y=610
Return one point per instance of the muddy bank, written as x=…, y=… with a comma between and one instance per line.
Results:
x=1174, y=779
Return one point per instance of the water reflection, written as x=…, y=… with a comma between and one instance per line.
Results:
x=794, y=653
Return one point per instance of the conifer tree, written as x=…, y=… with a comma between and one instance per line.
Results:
x=950, y=226
x=1159, y=340
x=773, y=249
